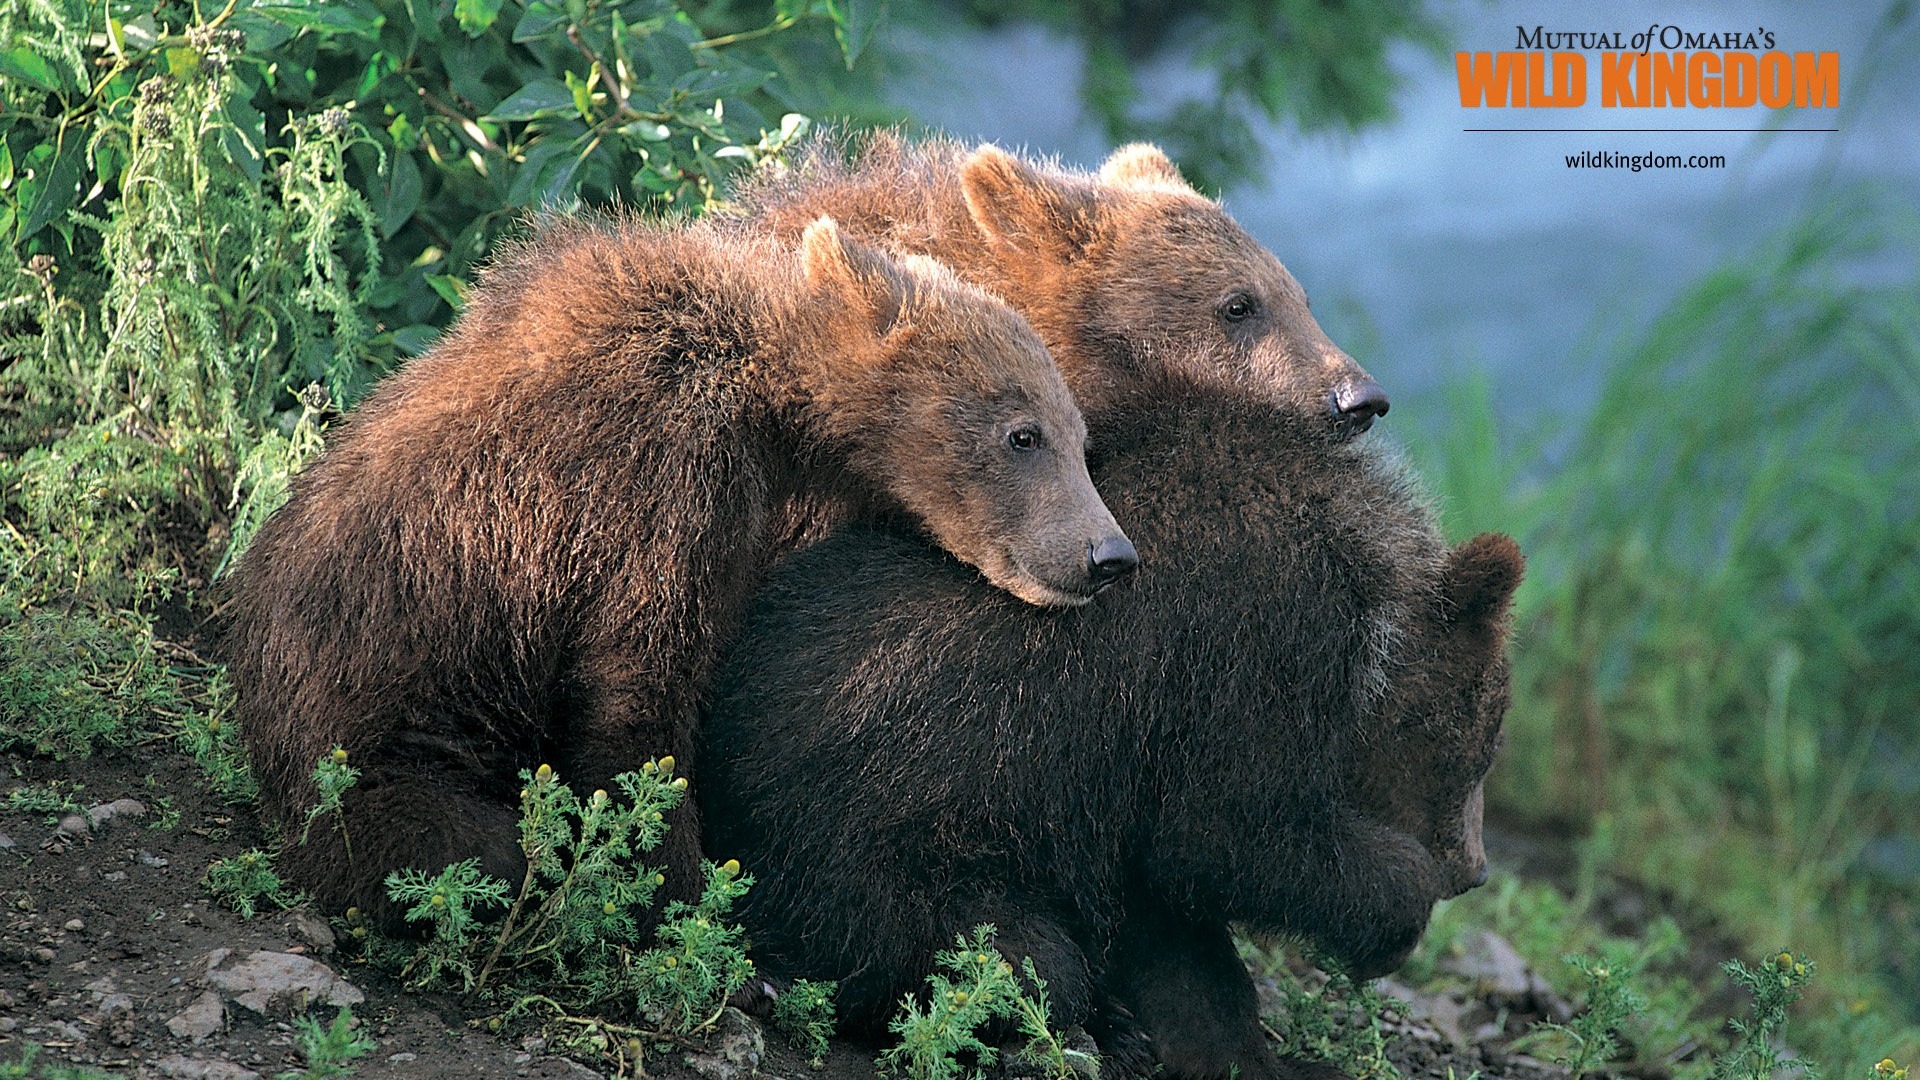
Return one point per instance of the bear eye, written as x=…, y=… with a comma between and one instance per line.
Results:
x=1023, y=439
x=1238, y=308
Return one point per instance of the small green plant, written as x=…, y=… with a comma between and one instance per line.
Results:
x=804, y=1014
x=1775, y=985
x=246, y=881
x=332, y=776
x=1336, y=1021
x=23, y=1069
x=214, y=743
x=53, y=798
x=565, y=948
x=328, y=1048
x=937, y=1041
x=1587, y=1041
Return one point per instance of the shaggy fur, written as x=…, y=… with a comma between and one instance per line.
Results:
x=897, y=754
x=1134, y=280
x=528, y=545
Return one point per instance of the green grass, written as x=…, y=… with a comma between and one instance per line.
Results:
x=1717, y=653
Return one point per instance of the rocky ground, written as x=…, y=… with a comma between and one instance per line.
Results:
x=114, y=957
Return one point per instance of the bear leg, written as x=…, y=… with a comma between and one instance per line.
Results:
x=1190, y=999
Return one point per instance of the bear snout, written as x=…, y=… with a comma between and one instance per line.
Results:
x=1356, y=404
x=1109, y=560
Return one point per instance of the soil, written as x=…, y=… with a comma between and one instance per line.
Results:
x=113, y=956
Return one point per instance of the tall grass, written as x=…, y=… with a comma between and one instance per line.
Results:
x=1719, y=643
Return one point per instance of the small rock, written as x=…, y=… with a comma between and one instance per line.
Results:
x=310, y=929
x=44, y=955
x=264, y=980
x=95, y=819
x=148, y=858
x=401, y=1058
x=6, y=842
x=114, y=875
x=202, y=1018
x=1492, y=964
x=733, y=1049
x=522, y=1059
x=7, y=1000
x=178, y=1067
x=114, y=1015
x=76, y=925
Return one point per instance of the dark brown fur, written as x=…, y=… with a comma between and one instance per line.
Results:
x=528, y=544
x=1282, y=722
x=1127, y=275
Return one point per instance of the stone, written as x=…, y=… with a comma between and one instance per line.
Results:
x=265, y=981
x=179, y=1067
x=733, y=1048
x=197, y=1021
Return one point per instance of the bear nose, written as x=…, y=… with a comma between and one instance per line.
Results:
x=1472, y=879
x=1110, y=560
x=1357, y=404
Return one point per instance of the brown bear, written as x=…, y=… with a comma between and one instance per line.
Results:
x=1134, y=280
x=1284, y=723
x=537, y=535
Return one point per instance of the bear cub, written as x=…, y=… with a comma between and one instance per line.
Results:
x=529, y=543
x=1136, y=282
x=1283, y=724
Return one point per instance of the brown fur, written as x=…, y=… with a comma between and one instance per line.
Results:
x=1127, y=275
x=528, y=544
x=1283, y=722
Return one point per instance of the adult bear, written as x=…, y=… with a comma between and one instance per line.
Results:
x=538, y=535
x=1283, y=722
x=1135, y=281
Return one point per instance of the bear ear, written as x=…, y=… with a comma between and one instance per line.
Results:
x=1144, y=165
x=855, y=275
x=1481, y=576
x=1014, y=203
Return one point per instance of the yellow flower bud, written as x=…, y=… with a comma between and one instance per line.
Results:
x=359, y=931
x=493, y=1023
x=599, y=796
x=213, y=726
x=649, y=768
x=607, y=908
x=671, y=961
x=959, y=997
x=339, y=756
x=437, y=900
x=353, y=914
x=680, y=783
x=659, y=879
x=1886, y=1065
x=666, y=764
x=731, y=868
x=1784, y=961
x=544, y=772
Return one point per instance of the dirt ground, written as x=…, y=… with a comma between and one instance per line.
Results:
x=113, y=956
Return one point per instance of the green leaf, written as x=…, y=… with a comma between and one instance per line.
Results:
x=399, y=197
x=476, y=16
x=582, y=90
x=245, y=135
x=451, y=289
x=62, y=184
x=322, y=16
x=416, y=339
x=854, y=22
x=539, y=20
x=24, y=64
x=707, y=84
x=529, y=178
x=540, y=97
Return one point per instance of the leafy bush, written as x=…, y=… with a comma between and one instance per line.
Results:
x=942, y=1040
